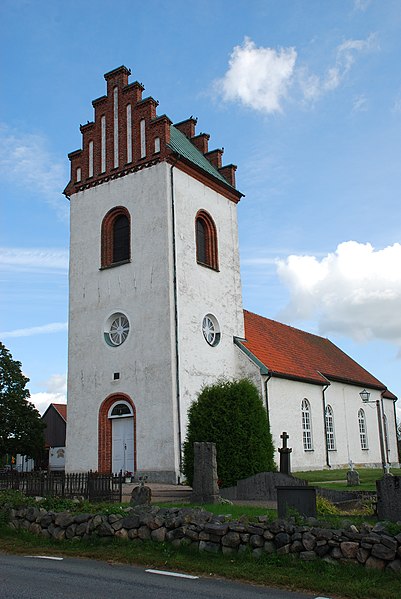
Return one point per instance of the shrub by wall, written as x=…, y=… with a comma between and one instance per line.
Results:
x=231, y=415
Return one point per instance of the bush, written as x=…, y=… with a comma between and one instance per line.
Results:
x=12, y=499
x=231, y=415
x=324, y=507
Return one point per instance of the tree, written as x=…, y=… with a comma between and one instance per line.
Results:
x=21, y=427
x=230, y=414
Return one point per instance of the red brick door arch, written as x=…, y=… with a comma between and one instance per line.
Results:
x=106, y=432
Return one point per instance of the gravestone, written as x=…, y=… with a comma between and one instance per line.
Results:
x=205, y=488
x=298, y=498
x=389, y=498
x=141, y=495
x=353, y=478
x=285, y=453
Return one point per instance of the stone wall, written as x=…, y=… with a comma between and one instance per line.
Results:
x=369, y=546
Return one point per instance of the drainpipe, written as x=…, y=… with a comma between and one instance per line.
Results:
x=267, y=379
x=396, y=432
x=385, y=429
x=325, y=387
x=177, y=354
x=381, y=436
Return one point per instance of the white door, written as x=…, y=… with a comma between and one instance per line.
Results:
x=123, y=445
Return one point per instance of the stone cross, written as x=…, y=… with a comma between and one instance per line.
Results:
x=284, y=451
x=284, y=436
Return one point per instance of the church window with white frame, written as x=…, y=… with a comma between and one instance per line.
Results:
x=363, y=436
x=117, y=329
x=211, y=330
x=330, y=434
x=306, y=425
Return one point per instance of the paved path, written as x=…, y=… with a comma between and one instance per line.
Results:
x=30, y=577
x=162, y=493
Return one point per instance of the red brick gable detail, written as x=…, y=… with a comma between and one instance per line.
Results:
x=141, y=109
x=157, y=138
x=291, y=353
x=105, y=431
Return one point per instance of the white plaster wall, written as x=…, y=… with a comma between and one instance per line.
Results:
x=284, y=400
x=202, y=290
x=346, y=402
x=142, y=290
x=247, y=369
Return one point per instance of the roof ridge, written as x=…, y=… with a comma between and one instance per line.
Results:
x=289, y=326
x=292, y=352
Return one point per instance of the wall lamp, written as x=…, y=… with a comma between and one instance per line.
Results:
x=365, y=396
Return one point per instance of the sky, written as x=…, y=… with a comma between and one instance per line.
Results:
x=305, y=97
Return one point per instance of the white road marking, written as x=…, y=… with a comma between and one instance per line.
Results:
x=45, y=557
x=177, y=574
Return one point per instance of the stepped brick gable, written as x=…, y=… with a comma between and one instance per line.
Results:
x=127, y=135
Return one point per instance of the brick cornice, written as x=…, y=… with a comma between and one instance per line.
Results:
x=203, y=177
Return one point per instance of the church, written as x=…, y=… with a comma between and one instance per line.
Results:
x=155, y=309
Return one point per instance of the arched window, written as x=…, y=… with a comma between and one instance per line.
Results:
x=330, y=436
x=206, y=240
x=116, y=237
x=122, y=409
x=306, y=425
x=363, y=436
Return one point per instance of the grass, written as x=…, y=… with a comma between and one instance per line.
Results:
x=347, y=580
x=235, y=512
x=325, y=478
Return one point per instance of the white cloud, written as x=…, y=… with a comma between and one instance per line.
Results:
x=354, y=291
x=361, y=5
x=313, y=86
x=28, y=259
x=55, y=392
x=397, y=103
x=26, y=161
x=360, y=104
x=258, y=77
x=262, y=77
x=54, y=327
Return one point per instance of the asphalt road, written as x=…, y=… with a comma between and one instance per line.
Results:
x=23, y=577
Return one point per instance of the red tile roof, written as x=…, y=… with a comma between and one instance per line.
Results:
x=295, y=354
x=61, y=409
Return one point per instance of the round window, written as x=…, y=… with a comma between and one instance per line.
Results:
x=211, y=330
x=117, y=329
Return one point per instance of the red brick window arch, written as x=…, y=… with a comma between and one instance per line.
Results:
x=116, y=237
x=206, y=240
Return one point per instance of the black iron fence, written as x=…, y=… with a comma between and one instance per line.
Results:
x=89, y=485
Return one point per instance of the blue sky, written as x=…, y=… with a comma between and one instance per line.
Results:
x=305, y=97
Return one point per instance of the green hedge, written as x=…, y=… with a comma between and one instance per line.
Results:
x=231, y=415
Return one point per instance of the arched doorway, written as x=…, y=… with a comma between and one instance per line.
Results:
x=117, y=434
x=122, y=437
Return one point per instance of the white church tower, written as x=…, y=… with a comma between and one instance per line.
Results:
x=155, y=291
